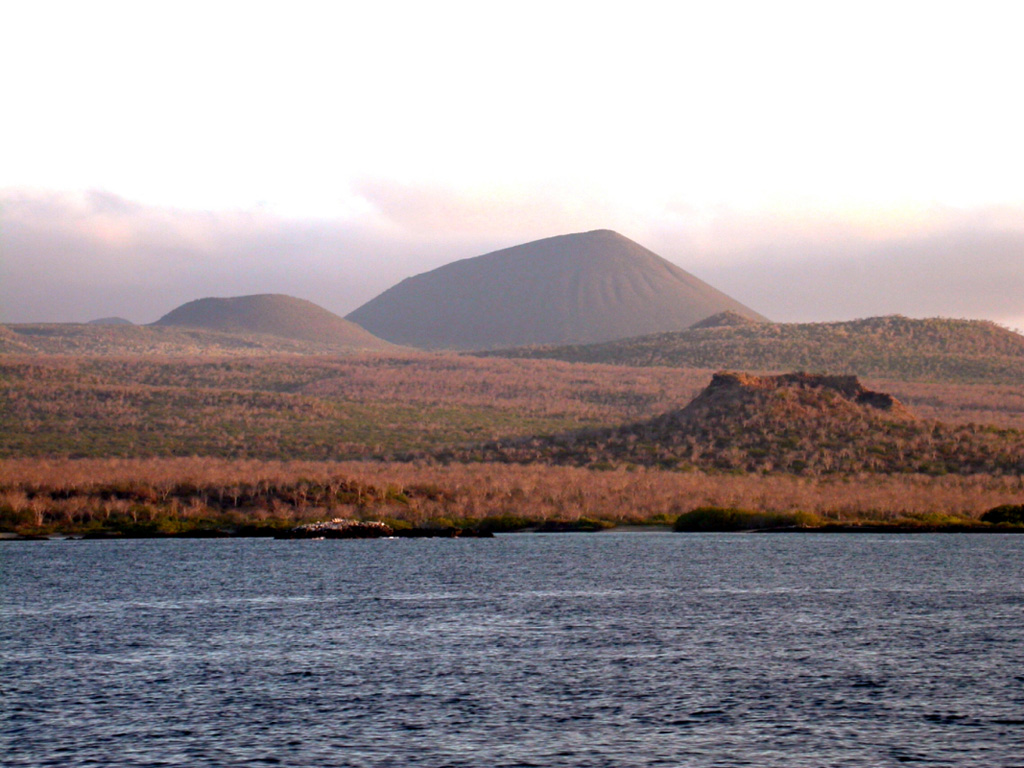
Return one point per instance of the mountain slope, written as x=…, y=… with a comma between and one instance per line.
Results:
x=585, y=287
x=893, y=347
x=728, y=318
x=272, y=315
x=793, y=423
x=110, y=321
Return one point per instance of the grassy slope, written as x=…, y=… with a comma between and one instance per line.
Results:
x=934, y=350
x=82, y=339
x=310, y=407
x=356, y=405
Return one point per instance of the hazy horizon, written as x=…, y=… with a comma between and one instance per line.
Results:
x=814, y=162
x=78, y=257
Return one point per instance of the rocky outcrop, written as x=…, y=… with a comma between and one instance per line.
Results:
x=793, y=423
x=848, y=387
x=339, y=528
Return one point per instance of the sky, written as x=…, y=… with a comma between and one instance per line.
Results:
x=817, y=161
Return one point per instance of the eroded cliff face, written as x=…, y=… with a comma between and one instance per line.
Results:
x=728, y=384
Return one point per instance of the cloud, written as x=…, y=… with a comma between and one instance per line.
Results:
x=513, y=213
x=970, y=270
x=67, y=257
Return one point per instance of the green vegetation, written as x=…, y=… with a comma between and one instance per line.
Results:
x=706, y=519
x=894, y=347
x=1005, y=514
x=732, y=519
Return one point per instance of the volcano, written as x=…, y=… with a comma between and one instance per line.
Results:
x=578, y=288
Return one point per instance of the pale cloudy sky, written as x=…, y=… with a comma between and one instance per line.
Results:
x=816, y=160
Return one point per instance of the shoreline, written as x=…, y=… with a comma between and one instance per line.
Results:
x=9, y=536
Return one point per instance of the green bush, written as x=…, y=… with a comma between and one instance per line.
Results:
x=733, y=519
x=582, y=525
x=1005, y=514
x=505, y=523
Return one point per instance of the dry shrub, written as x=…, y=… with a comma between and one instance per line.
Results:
x=420, y=492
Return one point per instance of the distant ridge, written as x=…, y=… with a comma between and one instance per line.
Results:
x=794, y=423
x=724, y=320
x=893, y=347
x=585, y=287
x=273, y=315
x=110, y=321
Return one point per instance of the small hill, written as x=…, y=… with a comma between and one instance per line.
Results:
x=727, y=319
x=585, y=287
x=816, y=396
x=110, y=321
x=240, y=326
x=892, y=347
x=272, y=315
x=791, y=423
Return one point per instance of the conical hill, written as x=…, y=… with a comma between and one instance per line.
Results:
x=272, y=315
x=578, y=288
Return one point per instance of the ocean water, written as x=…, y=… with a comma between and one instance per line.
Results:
x=609, y=649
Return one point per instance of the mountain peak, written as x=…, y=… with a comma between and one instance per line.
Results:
x=600, y=233
x=576, y=288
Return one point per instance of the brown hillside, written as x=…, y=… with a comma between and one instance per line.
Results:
x=273, y=315
x=586, y=287
x=727, y=319
x=110, y=321
x=891, y=347
x=84, y=339
x=795, y=422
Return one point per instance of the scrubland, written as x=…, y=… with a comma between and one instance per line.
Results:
x=891, y=347
x=301, y=407
x=309, y=407
x=152, y=445
x=169, y=495
x=803, y=424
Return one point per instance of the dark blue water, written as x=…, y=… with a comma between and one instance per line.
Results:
x=612, y=649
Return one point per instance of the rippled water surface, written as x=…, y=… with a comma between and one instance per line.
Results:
x=611, y=649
